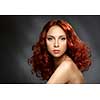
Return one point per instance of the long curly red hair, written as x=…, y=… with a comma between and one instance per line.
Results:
x=77, y=50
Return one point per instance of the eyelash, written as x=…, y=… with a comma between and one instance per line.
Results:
x=51, y=39
x=63, y=38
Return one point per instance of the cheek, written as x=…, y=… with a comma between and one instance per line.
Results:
x=64, y=46
x=49, y=45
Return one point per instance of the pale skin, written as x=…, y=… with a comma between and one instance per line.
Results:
x=66, y=70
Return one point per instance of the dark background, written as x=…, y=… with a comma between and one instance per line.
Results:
x=19, y=33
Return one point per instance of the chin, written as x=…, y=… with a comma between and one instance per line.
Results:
x=56, y=56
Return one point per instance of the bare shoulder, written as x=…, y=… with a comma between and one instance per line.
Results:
x=67, y=65
x=60, y=75
x=66, y=72
x=75, y=74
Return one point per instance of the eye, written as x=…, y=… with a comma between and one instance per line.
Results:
x=63, y=38
x=49, y=39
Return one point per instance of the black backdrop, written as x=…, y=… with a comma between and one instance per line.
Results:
x=19, y=33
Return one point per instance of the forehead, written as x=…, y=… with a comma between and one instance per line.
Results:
x=56, y=31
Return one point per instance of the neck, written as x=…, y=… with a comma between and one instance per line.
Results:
x=59, y=60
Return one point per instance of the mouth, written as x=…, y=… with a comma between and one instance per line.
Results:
x=56, y=51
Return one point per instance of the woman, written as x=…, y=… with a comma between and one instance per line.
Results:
x=60, y=56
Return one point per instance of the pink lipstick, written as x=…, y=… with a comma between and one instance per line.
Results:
x=56, y=51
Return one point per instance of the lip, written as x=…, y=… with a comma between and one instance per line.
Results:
x=56, y=51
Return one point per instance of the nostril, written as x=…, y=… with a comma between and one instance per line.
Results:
x=56, y=45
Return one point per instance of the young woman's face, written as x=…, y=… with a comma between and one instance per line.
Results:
x=56, y=41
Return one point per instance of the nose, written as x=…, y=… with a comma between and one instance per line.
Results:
x=56, y=44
